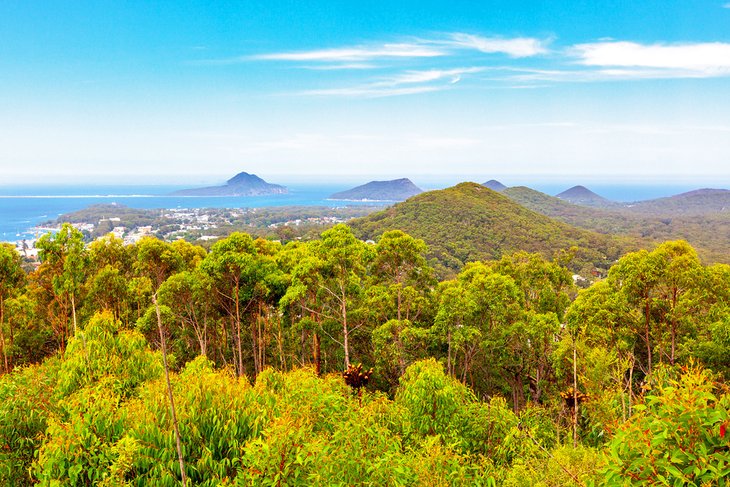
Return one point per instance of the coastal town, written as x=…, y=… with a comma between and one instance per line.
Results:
x=199, y=225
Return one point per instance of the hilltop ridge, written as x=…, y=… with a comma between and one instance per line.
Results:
x=469, y=222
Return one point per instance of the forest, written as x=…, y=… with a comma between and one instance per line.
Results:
x=336, y=361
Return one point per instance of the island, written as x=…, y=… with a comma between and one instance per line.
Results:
x=242, y=184
x=494, y=185
x=393, y=190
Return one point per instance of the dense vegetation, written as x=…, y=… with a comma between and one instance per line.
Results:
x=469, y=222
x=700, y=217
x=504, y=375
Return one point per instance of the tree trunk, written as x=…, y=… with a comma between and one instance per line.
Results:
x=316, y=353
x=674, y=324
x=255, y=347
x=401, y=349
x=345, y=331
x=238, y=332
x=647, y=310
x=2, y=334
x=448, y=360
x=73, y=311
x=169, y=394
x=575, y=395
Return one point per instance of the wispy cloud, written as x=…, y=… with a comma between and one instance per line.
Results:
x=630, y=59
x=431, y=75
x=340, y=66
x=355, y=54
x=727, y=5
x=444, y=45
x=406, y=83
x=370, y=91
x=515, y=47
x=587, y=75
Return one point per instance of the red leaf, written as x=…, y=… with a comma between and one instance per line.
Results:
x=722, y=430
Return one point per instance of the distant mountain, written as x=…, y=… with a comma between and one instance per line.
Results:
x=395, y=190
x=580, y=195
x=242, y=184
x=469, y=222
x=494, y=185
x=613, y=220
x=693, y=203
x=701, y=217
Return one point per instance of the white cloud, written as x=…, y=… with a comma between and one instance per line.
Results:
x=532, y=76
x=448, y=44
x=336, y=67
x=371, y=91
x=430, y=75
x=677, y=60
x=727, y=5
x=425, y=81
x=355, y=54
x=515, y=47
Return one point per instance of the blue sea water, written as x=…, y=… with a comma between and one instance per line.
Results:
x=23, y=207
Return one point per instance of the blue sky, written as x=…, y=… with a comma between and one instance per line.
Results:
x=403, y=88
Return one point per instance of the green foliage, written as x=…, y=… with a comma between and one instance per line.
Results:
x=432, y=399
x=469, y=222
x=101, y=351
x=471, y=376
x=563, y=466
x=217, y=413
x=677, y=436
x=78, y=445
x=26, y=404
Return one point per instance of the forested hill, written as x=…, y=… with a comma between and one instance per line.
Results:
x=469, y=222
x=600, y=220
x=701, y=217
x=693, y=203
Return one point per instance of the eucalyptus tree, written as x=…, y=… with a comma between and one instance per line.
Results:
x=334, y=275
x=242, y=280
x=64, y=261
x=637, y=276
x=680, y=291
x=547, y=286
x=300, y=265
x=158, y=260
x=400, y=269
x=110, y=250
x=188, y=295
x=666, y=287
x=12, y=279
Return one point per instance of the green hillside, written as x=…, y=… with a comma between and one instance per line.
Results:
x=648, y=222
x=700, y=202
x=469, y=222
x=590, y=218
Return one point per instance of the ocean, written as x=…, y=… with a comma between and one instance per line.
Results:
x=23, y=207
